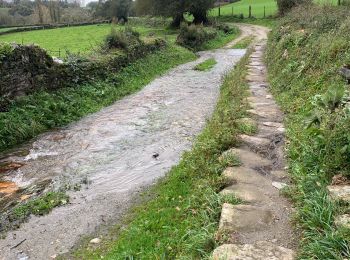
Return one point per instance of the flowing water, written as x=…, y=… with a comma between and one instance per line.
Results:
x=107, y=157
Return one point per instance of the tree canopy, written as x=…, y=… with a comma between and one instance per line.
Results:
x=176, y=9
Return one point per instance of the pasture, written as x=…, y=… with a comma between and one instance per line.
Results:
x=79, y=39
x=242, y=7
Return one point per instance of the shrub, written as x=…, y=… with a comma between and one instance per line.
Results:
x=122, y=39
x=193, y=36
x=226, y=28
x=285, y=6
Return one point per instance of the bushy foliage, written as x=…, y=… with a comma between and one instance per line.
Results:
x=176, y=9
x=5, y=50
x=285, y=6
x=193, y=36
x=122, y=39
x=306, y=51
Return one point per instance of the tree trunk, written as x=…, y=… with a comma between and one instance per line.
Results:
x=200, y=18
x=177, y=20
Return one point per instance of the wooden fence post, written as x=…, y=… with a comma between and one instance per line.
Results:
x=250, y=12
x=219, y=9
x=232, y=10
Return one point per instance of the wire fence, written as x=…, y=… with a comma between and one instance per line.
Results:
x=249, y=11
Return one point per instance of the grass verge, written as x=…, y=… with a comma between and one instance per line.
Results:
x=305, y=52
x=220, y=40
x=206, y=65
x=41, y=111
x=181, y=219
x=244, y=43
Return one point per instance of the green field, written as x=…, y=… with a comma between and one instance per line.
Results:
x=242, y=7
x=79, y=39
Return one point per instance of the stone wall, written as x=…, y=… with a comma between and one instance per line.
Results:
x=25, y=69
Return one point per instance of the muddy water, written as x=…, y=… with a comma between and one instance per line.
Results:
x=110, y=155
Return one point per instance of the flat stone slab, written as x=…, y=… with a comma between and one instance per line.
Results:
x=273, y=124
x=249, y=158
x=339, y=192
x=244, y=218
x=260, y=104
x=260, y=250
x=244, y=175
x=264, y=114
x=343, y=221
x=247, y=192
x=254, y=141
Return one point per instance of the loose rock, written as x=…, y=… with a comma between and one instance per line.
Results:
x=95, y=241
x=343, y=221
x=279, y=185
x=340, y=192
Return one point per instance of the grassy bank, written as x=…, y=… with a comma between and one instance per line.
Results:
x=181, y=219
x=306, y=51
x=41, y=111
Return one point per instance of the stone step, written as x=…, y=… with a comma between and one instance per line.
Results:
x=258, y=85
x=273, y=124
x=269, y=130
x=260, y=250
x=263, y=104
x=255, y=78
x=249, y=158
x=254, y=142
x=340, y=192
x=257, y=100
x=266, y=114
x=249, y=193
x=245, y=175
x=244, y=218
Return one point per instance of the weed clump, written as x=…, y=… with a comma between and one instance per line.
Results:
x=193, y=36
x=122, y=39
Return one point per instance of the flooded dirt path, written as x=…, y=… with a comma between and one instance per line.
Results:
x=109, y=156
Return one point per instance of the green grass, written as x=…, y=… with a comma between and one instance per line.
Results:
x=78, y=39
x=244, y=43
x=41, y=111
x=181, y=218
x=221, y=40
x=206, y=65
x=38, y=206
x=6, y=29
x=242, y=7
x=305, y=53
